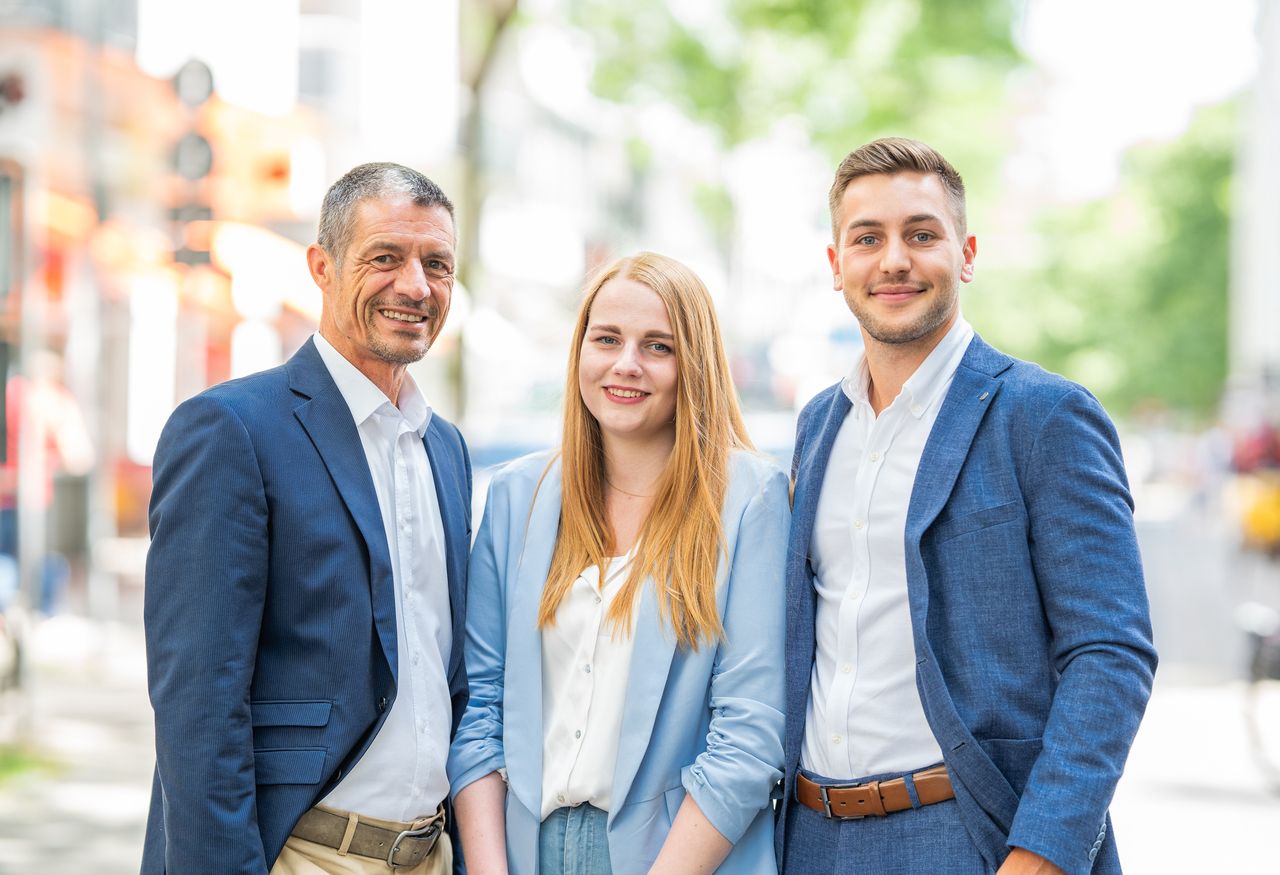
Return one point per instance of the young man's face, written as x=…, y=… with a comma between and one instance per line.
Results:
x=899, y=258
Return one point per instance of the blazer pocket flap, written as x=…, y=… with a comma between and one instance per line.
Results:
x=290, y=713
x=294, y=765
x=954, y=526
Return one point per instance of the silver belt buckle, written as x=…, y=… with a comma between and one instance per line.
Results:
x=429, y=829
x=826, y=801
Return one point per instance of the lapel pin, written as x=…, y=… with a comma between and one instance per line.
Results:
x=983, y=396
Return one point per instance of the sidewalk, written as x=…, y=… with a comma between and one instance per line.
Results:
x=1191, y=801
x=92, y=723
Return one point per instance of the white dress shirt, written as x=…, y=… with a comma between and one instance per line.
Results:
x=585, y=666
x=401, y=776
x=864, y=715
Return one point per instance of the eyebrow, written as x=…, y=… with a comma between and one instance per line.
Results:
x=614, y=329
x=397, y=249
x=916, y=219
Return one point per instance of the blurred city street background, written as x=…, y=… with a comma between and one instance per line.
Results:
x=162, y=164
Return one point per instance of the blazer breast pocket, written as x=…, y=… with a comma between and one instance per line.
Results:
x=950, y=527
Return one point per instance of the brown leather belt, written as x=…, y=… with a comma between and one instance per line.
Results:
x=401, y=849
x=874, y=798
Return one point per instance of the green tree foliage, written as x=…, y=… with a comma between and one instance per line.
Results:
x=852, y=68
x=1130, y=296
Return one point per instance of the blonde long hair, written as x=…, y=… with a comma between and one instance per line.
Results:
x=681, y=540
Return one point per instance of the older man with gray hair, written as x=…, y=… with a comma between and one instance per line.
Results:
x=305, y=584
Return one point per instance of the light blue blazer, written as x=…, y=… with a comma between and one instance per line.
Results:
x=706, y=722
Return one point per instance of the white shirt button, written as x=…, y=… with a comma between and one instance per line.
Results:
x=836, y=739
x=917, y=409
x=857, y=524
x=599, y=600
x=847, y=667
x=875, y=457
x=559, y=797
x=587, y=668
x=577, y=734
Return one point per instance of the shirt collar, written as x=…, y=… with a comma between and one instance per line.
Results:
x=934, y=374
x=365, y=399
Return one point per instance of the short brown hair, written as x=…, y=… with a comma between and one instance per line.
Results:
x=897, y=155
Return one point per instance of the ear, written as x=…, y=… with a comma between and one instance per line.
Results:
x=323, y=270
x=970, y=253
x=833, y=258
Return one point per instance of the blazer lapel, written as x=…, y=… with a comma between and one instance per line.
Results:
x=973, y=390
x=655, y=646
x=522, y=704
x=811, y=468
x=447, y=473
x=327, y=420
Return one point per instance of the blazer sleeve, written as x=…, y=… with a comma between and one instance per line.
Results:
x=477, y=747
x=1089, y=573
x=732, y=779
x=206, y=580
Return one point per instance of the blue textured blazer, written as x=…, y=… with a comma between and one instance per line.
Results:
x=1029, y=614
x=706, y=722
x=270, y=611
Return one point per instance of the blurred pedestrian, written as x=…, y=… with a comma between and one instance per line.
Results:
x=304, y=588
x=969, y=648
x=624, y=625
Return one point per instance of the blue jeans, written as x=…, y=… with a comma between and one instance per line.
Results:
x=572, y=841
x=928, y=839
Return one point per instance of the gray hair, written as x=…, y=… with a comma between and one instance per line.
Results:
x=377, y=180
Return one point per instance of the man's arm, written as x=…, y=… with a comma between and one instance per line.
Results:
x=205, y=586
x=1089, y=574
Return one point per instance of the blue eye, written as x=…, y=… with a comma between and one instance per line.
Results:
x=437, y=268
x=922, y=236
x=659, y=347
x=866, y=240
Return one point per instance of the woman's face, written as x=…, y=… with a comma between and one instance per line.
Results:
x=627, y=371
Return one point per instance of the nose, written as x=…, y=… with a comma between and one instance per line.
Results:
x=628, y=360
x=894, y=257
x=411, y=281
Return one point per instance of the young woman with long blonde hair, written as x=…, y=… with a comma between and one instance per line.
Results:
x=625, y=612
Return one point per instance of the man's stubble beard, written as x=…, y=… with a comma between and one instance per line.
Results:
x=399, y=355
x=940, y=310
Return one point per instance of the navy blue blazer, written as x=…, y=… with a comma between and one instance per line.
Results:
x=1032, y=633
x=270, y=611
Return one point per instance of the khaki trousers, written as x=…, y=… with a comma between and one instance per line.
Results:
x=301, y=857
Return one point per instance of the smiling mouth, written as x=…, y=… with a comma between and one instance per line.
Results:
x=625, y=393
x=403, y=317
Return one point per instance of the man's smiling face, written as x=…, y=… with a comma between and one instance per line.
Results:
x=899, y=258
x=387, y=300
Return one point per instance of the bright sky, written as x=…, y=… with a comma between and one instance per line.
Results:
x=1123, y=71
